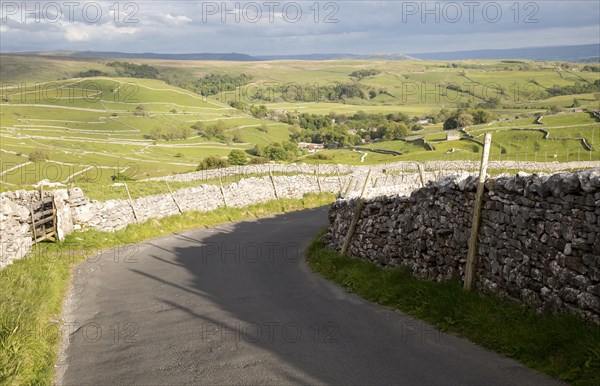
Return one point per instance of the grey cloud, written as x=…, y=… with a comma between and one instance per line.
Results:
x=362, y=27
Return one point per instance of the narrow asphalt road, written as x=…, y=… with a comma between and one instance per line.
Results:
x=236, y=304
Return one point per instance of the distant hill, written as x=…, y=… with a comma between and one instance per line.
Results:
x=335, y=57
x=581, y=53
x=148, y=55
x=213, y=56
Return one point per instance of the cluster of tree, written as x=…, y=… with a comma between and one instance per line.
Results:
x=91, y=73
x=332, y=92
x=235, y=157
x=360, y=74
x=170, y=134
x=374, y=93
x=259, y=111
x=379, y=126
x=213, y=84
x=591, y=68
x=285, y=151
x=577, y=88
x=345, y=130
x=131, y=70
x=466, y=117
x=212, y=162
x=332, y=135
x=342, y=91
x=218, y=132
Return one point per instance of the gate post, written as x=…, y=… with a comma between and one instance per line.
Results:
x=470, y=266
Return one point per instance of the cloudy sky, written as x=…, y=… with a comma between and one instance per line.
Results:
x=295, y=27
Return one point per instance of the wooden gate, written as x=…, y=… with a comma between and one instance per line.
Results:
x=43, y=219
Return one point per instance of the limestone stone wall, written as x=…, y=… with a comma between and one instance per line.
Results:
x=539, y=243
x=76, y=213
x=403, y=166
x=15, y=236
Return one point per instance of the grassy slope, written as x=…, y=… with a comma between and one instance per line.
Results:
x=121, y=141
x=111, y=134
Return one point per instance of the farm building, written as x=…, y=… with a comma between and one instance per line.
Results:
x=311, y=147
x=452, y=135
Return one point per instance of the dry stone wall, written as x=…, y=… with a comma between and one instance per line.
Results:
x=76, y=213
x=402, y=167
x=15, y=236
x=539, y=242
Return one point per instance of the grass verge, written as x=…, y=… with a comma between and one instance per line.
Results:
x=561, y=346
x=33, y=288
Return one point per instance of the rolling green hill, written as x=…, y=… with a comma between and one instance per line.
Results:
x=112, y=123
x=109, y=123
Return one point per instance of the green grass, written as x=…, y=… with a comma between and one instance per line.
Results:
x=33, y=288
x=55, y=116
x=108, y=131
x=561, y=346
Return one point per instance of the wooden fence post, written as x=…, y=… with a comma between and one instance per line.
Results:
x=421, y=174
x=33, y=225
x=340, y=178
x=348, y=187
x=476, y=221
x=135, y=216
x=359, y=207
x=173, y=197
x=222, y=189
x=318, y=181
x=273, y=183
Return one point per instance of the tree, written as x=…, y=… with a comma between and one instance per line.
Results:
x=464, y=120
x=276, y=152
x=258, y=160
x=555, y=109
x=258, y=111
x=140, y=110
x=451, y=123
x=259, y=150
x=237, y=157
x=39, y=155
x=216, y=131
x=198, y=126
x=186, y=132
x=212, y=162
x=237, y=137
x=360, y=74
x=156, y=133
x=481, y=116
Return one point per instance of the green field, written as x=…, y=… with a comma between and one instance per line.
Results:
x=96, y=122
x=93, y=128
